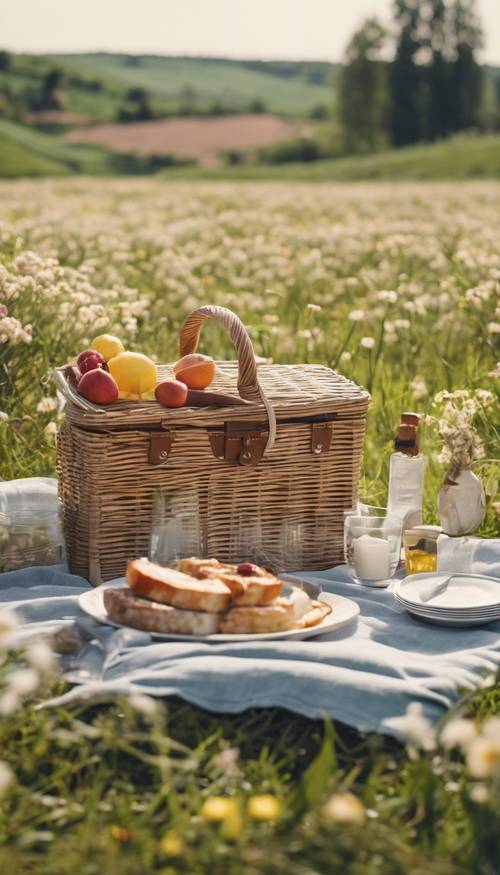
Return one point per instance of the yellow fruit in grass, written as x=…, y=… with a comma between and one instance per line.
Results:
x=134, y=373
x=108, y=345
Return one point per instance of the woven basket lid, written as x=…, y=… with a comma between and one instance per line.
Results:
x=272, y=392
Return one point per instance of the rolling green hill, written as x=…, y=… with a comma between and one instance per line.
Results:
x=461, y=157
x=201, y=81
x=25, y=151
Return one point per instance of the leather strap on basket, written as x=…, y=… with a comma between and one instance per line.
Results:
x=248, y=383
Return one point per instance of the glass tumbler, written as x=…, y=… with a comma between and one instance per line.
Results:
x=175, y=527
x=372, y=548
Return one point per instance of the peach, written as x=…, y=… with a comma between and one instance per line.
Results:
x=98, y=386
x=171, y=393
x=195, y=370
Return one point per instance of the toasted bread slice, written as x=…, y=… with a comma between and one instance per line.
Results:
x=253, y=619
x=132, y=610
x=256, y=587
x=251, y=590
x=172, y=587
x=316, y=614
x=200, y=568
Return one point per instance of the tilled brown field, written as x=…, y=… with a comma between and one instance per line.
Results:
x=200, y=139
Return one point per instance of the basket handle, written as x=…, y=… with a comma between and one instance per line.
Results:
x=248, y=382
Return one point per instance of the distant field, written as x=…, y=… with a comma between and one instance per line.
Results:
x=201, y=139
x=463, y=157
x=231, y=83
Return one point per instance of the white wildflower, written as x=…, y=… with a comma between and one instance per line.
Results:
x=387, y=295
x=4, y=417
x=345, y=809
x=367, y=342
x=415, y=727
x=50, y=431
x=8, y=623
x=483, y=757
x=41, y=656
x=227, y=759
x=419, y=388
x=356, y=315
x=492, y=327
x=46, y=405
x=458, y=733
x=146, y=705
x=315, y=308
x=491, y=728
x=485, y=397
x=23, y=681
x=479, y=793
x=9, y=703
x=346, y=357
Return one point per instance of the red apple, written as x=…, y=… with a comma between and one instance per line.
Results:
x=98, y=386
x=89, y=359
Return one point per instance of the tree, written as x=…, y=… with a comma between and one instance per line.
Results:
x=466, y=74
x=405, y=75
x=362, y=90
x=5, y=60
x=437, y=122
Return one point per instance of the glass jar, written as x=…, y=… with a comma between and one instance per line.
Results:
x=30, y=537
x=420, y=545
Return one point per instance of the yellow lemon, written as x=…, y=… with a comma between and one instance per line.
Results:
x=134, y=373
x=264, y=807
x=107, y=345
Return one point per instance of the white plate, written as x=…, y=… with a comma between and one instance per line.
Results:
x=463, y=592
x=343, y=612
x=461, y=622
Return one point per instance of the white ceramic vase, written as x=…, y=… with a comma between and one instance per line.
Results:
x=462, y=503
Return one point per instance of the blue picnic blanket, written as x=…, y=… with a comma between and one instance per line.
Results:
x=364, y=674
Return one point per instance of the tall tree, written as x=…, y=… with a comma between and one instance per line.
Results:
x=438, y=78
x=405, y=75
x=362, y=90
x=466, y=74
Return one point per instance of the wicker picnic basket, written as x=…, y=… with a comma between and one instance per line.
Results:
x=293, y=452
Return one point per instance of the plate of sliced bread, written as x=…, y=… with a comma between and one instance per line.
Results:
x=208, y=600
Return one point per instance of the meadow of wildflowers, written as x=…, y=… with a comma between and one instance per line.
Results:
x=398, y=288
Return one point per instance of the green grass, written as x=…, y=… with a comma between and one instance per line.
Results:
x=464, y=157
x=26, y=151
x=18, y=160
x=98, y=788
x=34, y=146
x=231, y=83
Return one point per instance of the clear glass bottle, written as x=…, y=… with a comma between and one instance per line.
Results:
x=406, y=474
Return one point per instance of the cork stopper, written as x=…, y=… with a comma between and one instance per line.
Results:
x=410, y=419
x=406, y=440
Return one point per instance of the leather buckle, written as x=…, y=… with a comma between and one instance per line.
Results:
x=321, y=437
x=160, y=444
x=240, y=442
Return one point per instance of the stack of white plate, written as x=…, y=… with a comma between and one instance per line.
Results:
x=450, y=599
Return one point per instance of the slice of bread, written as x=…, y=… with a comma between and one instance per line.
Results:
x=172, y=587
x=253, y=619
x=258, y=587
x=200, y=568
x=317, y=613
x=251, y=590
x=131, y=610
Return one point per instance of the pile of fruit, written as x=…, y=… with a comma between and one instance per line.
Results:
x=106, y=372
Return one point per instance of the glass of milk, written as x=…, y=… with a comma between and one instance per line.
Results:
x=372, y=547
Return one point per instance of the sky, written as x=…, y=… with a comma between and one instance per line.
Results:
x=295, y=29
